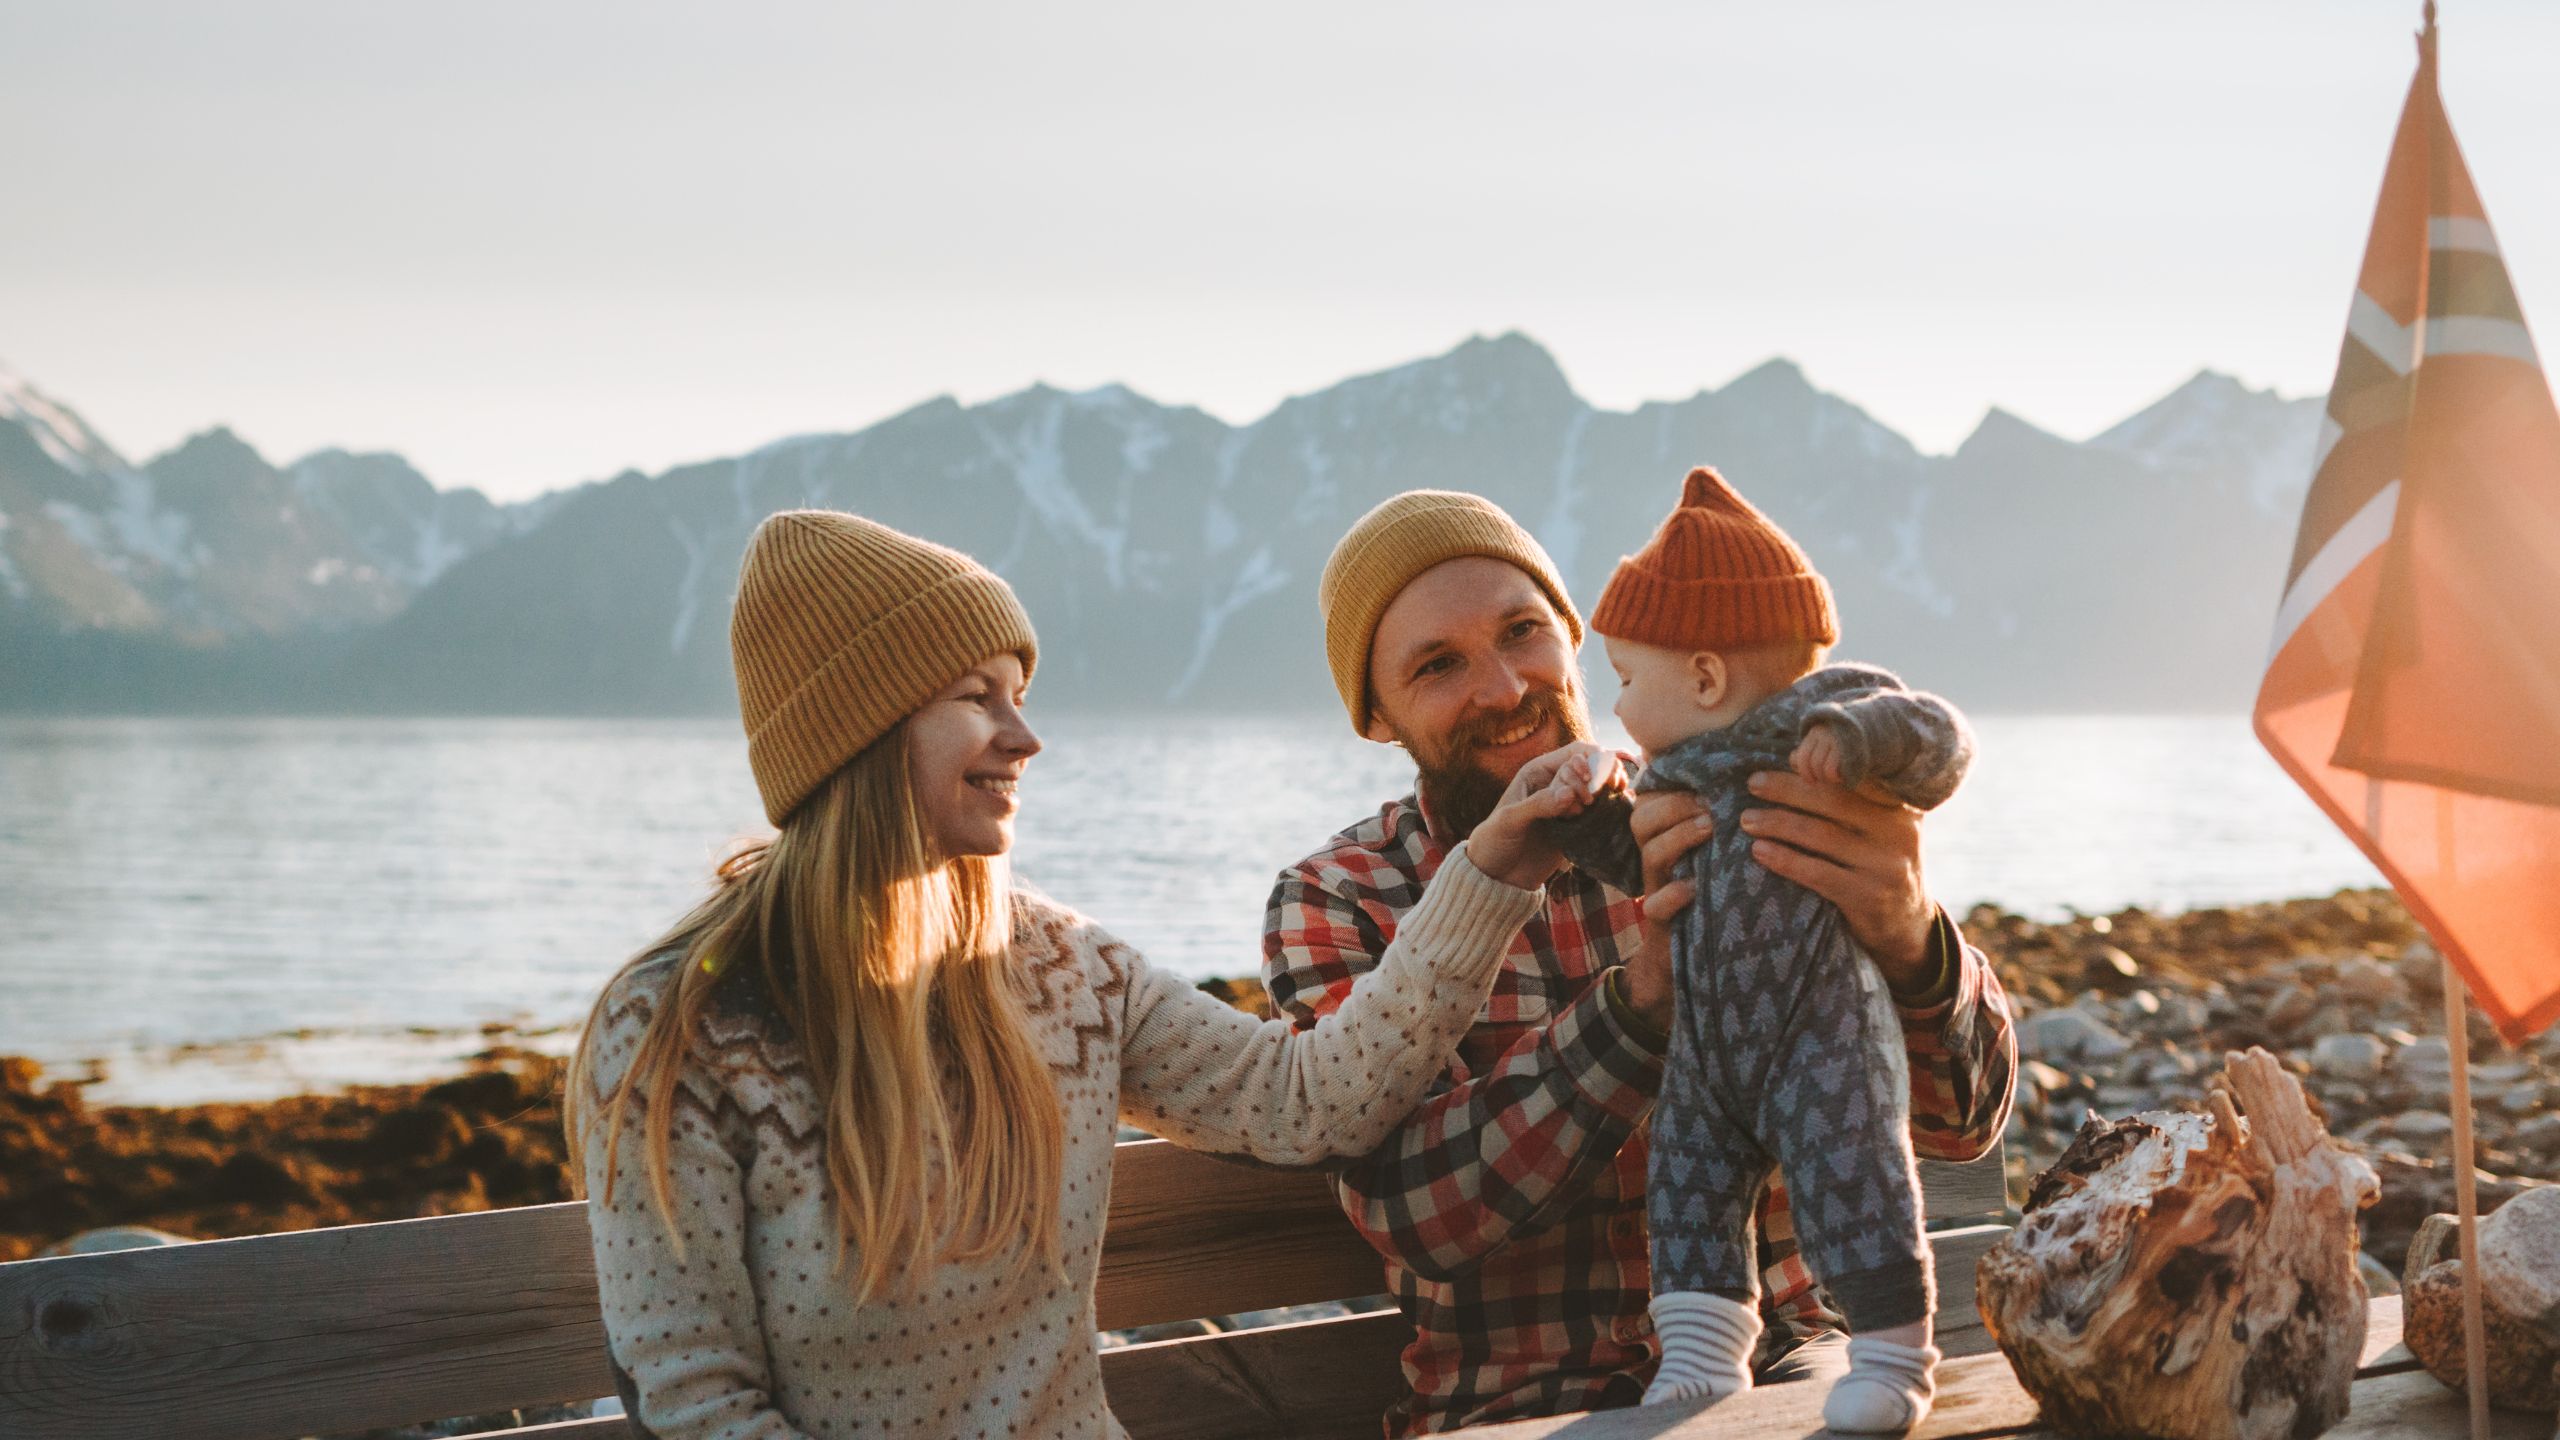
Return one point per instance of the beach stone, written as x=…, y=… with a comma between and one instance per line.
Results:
x=2349, y=1057
x=2542, y=1132
x=2290, y=1006
x=2520, y=1259
x=113, y=1238
x=2527, y=1099
x=2106, y=967
x=2182, y=1015
x=2378, y=1279
x=2423, y=1127
x=2521, y=1363
x=2047, y=1079
x=2427, y=1055
x=2370, y=982
x=2070, y=1034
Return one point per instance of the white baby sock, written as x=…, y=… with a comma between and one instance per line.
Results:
x=1707, y=1342
x=1888, y=1389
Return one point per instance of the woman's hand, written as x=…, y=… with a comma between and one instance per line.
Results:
x=1509, y=846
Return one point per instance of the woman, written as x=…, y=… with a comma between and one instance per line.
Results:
x=847, y=1128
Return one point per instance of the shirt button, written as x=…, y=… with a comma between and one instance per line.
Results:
x=1628, y=1329
x=1626, y=1227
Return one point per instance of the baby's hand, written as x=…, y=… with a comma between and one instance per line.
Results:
x=1587, y=773
x=1817, y=755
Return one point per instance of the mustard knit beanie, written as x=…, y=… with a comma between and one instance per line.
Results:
x=1397, y=541
x=843, y=628
x=1717, y=574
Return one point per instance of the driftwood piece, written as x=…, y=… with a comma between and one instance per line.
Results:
x=2520, y=1269
x=2190, y=1277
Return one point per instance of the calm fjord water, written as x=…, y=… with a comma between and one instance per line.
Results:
x=169, y=881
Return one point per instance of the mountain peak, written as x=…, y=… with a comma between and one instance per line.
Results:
x=1773, y=376
x=2005, y=430
x=2214, y=422
x=65, y=438
x=2208, y=400
x=218, y=444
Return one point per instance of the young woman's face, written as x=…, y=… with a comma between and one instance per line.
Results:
x=965, y=750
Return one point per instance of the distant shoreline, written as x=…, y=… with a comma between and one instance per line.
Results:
x=255, y=1069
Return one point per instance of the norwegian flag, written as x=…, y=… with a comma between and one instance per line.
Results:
x=2414, y=685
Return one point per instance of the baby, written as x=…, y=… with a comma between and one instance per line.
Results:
x=1786, y=1049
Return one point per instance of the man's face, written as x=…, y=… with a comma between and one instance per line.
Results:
x=1472, y=671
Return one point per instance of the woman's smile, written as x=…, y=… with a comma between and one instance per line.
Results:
x=1001, y=787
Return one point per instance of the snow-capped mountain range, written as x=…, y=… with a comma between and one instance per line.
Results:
x=1166, y=556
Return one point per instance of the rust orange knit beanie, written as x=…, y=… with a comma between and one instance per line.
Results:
x=1718, y=574
x=843, y=628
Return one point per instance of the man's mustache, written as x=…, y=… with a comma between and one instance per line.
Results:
x=1542, y=706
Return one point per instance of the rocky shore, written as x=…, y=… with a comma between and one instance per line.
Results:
x=2119, y=1013
x=2128, y=1012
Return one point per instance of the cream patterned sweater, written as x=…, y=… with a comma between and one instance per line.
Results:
x=752, y=1332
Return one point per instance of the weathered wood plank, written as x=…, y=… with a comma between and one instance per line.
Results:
x=1319, y=1378
x=1248, y=1385
x=325, y=1330
x=2382, y=1348
x=1194, y=1236
x=1976, y=1396
x=607, y=1427
x=2412, y=1405
x=1974, y=1190
x=1191, y=1236
x=1959, y=1324
x=1979, y=1398
x=376, y=1325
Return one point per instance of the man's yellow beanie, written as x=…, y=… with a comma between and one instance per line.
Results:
x=843, y=628
x=1397, y=541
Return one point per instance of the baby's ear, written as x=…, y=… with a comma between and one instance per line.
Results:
x=1710, y=679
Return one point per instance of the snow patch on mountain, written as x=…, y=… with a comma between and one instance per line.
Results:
x=2214, y=422
x=1562, y=531
x=1260, y=576
x=1907, y=569
x=60, y=433
x=145, y=530
x=10, y=579
x=1219, y=528
x=1038, y=463
x=688, y=585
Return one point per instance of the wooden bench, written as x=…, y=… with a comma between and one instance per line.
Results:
x=1979, y=1399
x=329, y=1331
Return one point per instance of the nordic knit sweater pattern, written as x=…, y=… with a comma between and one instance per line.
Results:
x=751, y=1334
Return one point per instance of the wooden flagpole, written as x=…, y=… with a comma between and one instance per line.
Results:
x=2466, y=1195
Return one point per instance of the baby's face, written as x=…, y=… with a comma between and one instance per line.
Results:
x=1658, y=694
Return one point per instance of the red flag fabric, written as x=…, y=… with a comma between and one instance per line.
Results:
x=2414, y=685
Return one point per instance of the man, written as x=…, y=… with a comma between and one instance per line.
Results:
x=1510, y=1206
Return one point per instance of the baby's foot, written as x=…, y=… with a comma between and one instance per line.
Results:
x=1888, y=1389
x=1707, y=1342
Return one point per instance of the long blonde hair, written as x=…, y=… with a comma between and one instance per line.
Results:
x=943, y=1136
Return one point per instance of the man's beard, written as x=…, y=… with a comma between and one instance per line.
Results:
x=1458, y=792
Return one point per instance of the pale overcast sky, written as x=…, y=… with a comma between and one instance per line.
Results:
x=531, y=243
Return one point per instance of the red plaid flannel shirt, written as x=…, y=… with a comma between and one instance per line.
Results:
x=1510, y=1207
